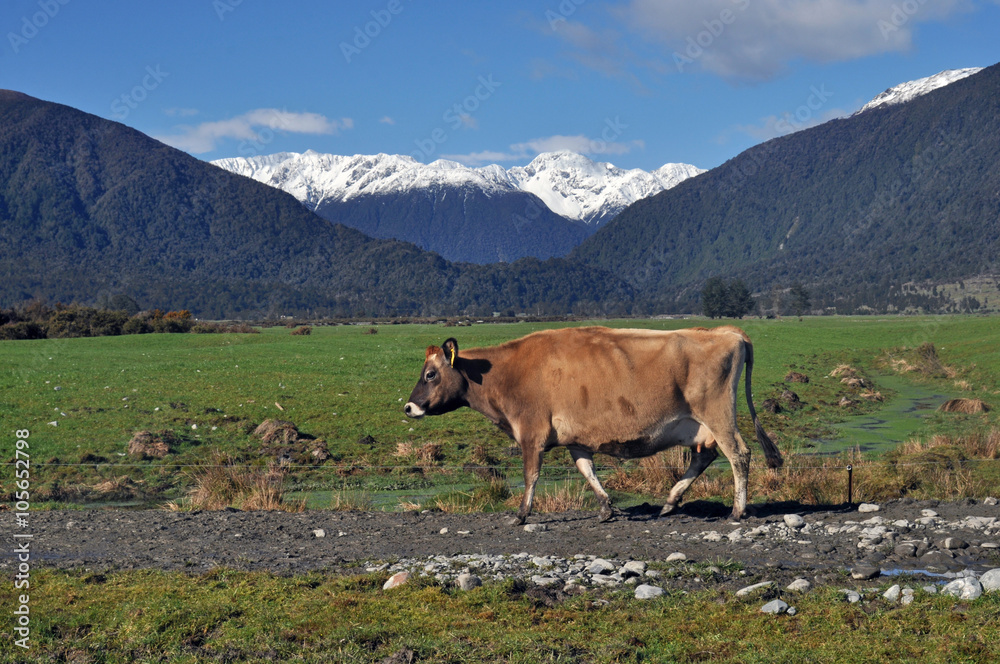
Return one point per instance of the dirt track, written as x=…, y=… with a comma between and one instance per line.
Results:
x=826, y=545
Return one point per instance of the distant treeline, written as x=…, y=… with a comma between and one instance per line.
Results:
x=38, y=320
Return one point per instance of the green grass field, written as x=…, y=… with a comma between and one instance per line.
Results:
x=83, y=399
x=341, y=384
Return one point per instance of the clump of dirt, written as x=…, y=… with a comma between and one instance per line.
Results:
x=967, y=406
x=149, y=445
x=285, y=443
x=796, y=377
x=790, y=400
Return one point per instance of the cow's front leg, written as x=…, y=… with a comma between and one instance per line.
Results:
x=532, y=469
x=585, y=464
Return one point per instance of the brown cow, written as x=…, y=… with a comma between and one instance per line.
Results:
x=627, y=393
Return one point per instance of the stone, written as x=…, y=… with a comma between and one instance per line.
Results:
x=540, y=580
x=794, y=521
x=792, y=611
x=799, y=586
x=928, y=513
x=601, y=566
x=852, y=596
x=930, y=590
x=677, y=556
x=319, y=532
x=991, y=501
x=952, y=543
x=893, y=593
x=749, y=590
x=865, y=508
x=865, y=572
x=633, y=568
x=775, y=606
x=535, y=528
x=646, y=591
x=396, y=580
x=990, y=581
x=964, y=588
x=443, y=531
x=468, y=581
x=905, y=550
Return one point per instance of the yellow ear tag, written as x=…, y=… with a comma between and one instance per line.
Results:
x=453, y=357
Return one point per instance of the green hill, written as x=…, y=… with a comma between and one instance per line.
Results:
x=854, y=209
x=91, y=208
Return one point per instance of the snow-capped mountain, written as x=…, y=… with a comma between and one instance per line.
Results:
x=904, y=92
x=578, y=188
x=571, y=185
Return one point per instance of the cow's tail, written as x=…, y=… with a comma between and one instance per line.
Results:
x=771, y=451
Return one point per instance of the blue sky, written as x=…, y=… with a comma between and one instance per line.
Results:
x=638, y=83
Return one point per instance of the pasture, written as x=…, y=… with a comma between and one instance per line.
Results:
x=84, y=399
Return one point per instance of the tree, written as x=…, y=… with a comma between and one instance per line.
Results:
x=800, y=298
x=739, y=299
x=713, y=298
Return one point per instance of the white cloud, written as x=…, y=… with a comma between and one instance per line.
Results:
x=773, y=126
x=258, y=125
x=748, y=39
x=385, y=119
x=757, y=39
x=592, y=147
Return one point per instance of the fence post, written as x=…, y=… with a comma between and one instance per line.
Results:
x=850, y=484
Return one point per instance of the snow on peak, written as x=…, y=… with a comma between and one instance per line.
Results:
x=570, y=184
x=904, y=92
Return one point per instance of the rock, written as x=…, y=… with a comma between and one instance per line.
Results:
x=865, y=572
x=852, y=596
x=713, y=536
x=952, y=543
x=601, y=566
x=928, y=513
x=893, y=594
x=908, y=597
x=991, y=501
x=677, y=556
x=775, y=606
x=794, y=521
x=633, y=568
x=868, y=507
x=905, y=550
x=443, y=531
x=535, y=528
x=792, y=611
x=990, y=580
x=965, y=588
x=749, y=590
x=845, y=402
x=799, y=586
x=468, y=581
x=396, y=580
x=318, y=533
x=646, y=591
x=540, y=580
x=930, y=590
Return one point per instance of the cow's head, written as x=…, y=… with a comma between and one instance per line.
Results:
x=441, y=388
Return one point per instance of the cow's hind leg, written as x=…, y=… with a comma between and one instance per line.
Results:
x=701, y=458
x=585, y=464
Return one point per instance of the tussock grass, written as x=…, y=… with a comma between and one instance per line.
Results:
x=222, y=483
x=963, y=405
x=489, y=496
x=562, y=497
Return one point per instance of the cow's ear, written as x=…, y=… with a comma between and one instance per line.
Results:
x=450, y=347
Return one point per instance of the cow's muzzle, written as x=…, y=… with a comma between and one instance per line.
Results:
x=413, y=410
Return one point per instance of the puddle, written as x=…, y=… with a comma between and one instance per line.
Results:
x=895, y=422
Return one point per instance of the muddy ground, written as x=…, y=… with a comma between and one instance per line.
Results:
x=824, y=549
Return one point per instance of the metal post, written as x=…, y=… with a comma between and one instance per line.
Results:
x=850, y=484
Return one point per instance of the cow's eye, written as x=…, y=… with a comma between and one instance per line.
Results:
x=431, y=375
